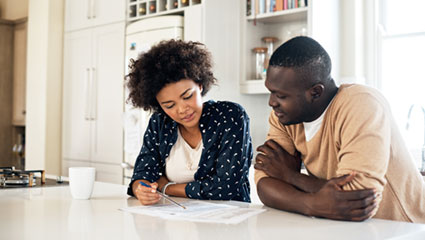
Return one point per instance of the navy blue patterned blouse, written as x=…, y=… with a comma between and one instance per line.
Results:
x=226, y=155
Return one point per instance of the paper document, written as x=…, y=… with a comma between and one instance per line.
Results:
x=197, y=211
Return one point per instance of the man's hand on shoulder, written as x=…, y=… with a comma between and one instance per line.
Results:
x=276, y=162
x=332, y=202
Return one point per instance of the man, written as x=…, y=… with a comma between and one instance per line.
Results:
x=347, y=139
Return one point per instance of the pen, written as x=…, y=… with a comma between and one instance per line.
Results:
x=163, y=195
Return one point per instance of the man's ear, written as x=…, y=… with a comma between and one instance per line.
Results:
x=316, y=91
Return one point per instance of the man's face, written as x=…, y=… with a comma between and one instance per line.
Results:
x=287, y=95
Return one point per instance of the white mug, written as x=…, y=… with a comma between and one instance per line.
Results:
x=81, y=181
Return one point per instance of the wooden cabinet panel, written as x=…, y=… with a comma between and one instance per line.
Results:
x=6, y=83
x=19, y=73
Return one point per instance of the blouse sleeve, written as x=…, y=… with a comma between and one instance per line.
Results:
x=148, y=165
x=232, y=163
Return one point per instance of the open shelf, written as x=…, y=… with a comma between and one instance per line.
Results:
x=281, y=25
x=139, y=9
x=289, y=15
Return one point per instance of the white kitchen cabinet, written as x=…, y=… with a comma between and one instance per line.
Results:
x=82, y=14
x=319, y=20
x=108, y=173
x=93, y=96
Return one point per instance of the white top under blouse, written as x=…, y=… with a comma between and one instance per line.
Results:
x=182, y=163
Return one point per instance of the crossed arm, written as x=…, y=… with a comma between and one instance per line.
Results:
x=287, y=189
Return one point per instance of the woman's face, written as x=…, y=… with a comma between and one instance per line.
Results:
x=182, y=101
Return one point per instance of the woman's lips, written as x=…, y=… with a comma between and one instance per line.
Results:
x=189, y=117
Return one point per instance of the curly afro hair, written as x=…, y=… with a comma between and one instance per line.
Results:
x=167, y=62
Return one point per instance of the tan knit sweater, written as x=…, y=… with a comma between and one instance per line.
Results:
x=358, y=133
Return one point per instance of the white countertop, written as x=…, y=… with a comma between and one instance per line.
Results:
x=51, y=213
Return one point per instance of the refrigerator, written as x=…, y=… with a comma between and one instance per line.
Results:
x=140, y=36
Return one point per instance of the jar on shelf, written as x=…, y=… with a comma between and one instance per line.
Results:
x=270, y=48
x=185, y=3
x=132, y=11
x=142, y=9
x=260, y=56
x=174, y=4
x=163, y=5
x=152, y=7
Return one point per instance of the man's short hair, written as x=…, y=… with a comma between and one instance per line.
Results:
x=307, y=57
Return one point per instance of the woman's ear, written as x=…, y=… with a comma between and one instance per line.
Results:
x=316, y=91
x=200, y=88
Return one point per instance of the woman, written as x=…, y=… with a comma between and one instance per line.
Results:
x=190, y=148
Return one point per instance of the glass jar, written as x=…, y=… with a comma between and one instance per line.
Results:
x=270, y=48
x=260, y=56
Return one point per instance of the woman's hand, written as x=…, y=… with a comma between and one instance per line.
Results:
x=146, y=195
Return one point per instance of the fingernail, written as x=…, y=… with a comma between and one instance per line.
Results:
x=153, y=190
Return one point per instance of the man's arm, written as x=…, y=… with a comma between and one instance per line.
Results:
x=285, y=167
x=287, y=189
x=329, y=202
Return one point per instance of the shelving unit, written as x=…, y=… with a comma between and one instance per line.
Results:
x=139, y=9
x=283, y=25
x=318, y=19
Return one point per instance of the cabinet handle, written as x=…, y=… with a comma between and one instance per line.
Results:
x=88, y=88
x=93, y=9
x=88, y=9
x=93, y=114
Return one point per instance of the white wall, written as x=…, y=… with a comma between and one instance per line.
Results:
x=13, y=9
x=44, y=85
x=352, y=40
x=222, y=38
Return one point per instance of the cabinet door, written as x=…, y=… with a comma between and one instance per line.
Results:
x=108, y=173
x=108, y=11
x=76, y=95
x=67, y=164
x=78, y=14
x=81, y=14
x=108, y=61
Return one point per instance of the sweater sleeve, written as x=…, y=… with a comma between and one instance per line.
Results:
x=148, y=165
x=279, y=134
x=232, y=163
x=364, y=127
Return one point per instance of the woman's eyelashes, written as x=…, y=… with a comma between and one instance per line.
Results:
x=184, y=98
x=169, y=106
x=188, y=97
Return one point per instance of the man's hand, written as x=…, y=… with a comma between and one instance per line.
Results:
x=276, y=162
x=334, y=203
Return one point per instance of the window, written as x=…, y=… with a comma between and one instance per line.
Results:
x=401, y=67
